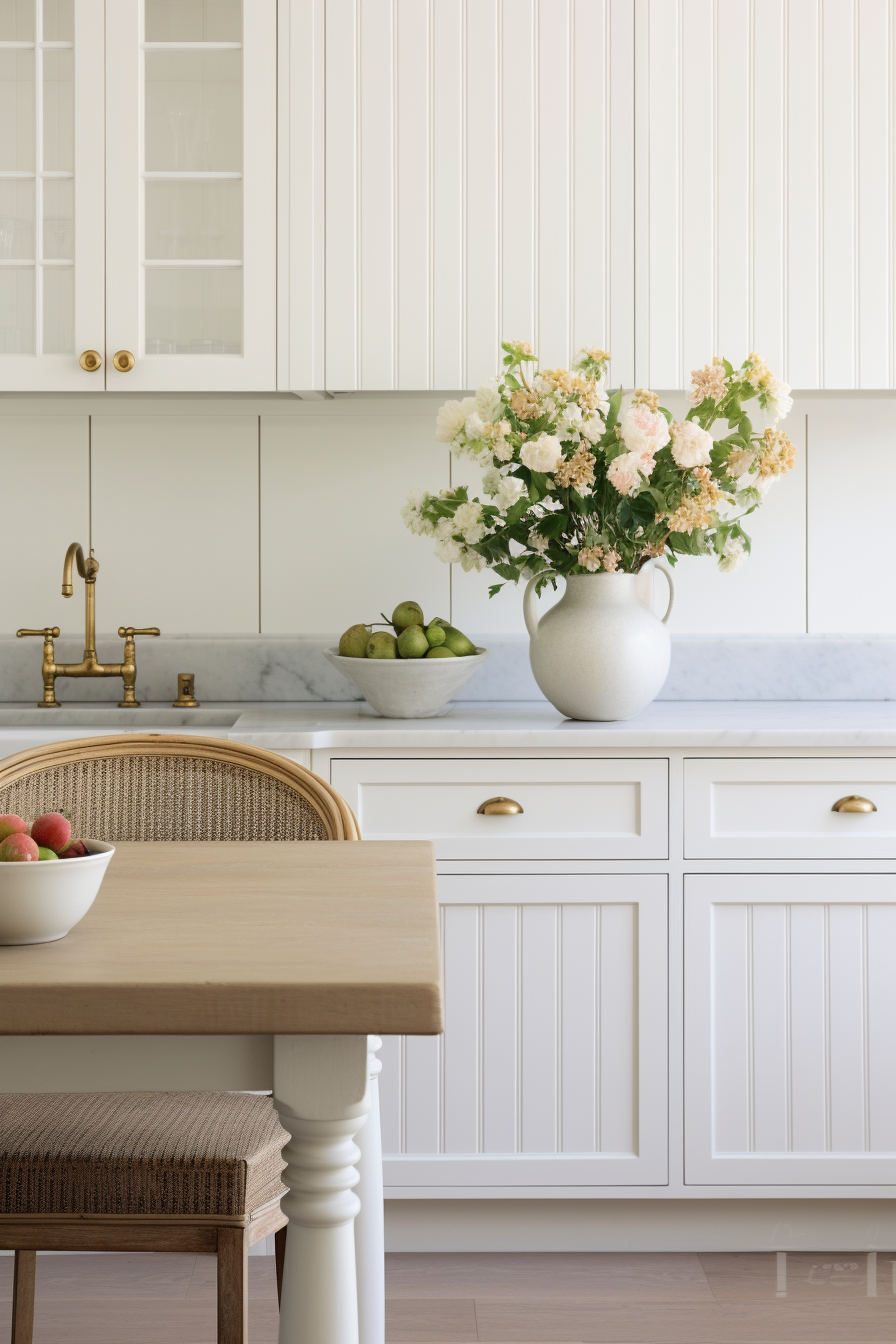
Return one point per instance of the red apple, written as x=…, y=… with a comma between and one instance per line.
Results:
x=19, y=848
x=52, y=830
x=10, y=824
x=75, y=849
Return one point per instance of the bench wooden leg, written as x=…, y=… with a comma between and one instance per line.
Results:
x=23, y=1297
x=233, y=1286
x=279, y=1256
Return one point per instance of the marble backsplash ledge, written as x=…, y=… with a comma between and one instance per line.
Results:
x=280, y=668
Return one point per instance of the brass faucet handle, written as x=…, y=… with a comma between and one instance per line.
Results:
x=48, y=632
x=128, y=631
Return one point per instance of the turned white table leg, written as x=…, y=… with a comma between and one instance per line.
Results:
x=369, y=1233
x=320, y=1091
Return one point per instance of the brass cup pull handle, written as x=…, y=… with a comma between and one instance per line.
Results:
x=91, y=360
x=853, y=803
x=499, y=807
x=128, y=631
x=48, y=632
x=123, y=361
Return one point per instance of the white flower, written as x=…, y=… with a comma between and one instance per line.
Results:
x=781, y=399
x=542, y=453
x=451, y=417
x=733, y=555
x=470, y=560
x=491, y=481
x=537, y=542
x=449, y=550
x=644, y=431
x=474, y=426
x=739, y=462
x=570, y=422
x=488, y=401
x=690, y=444
x=509, y=491
x=625, y=471
x=444, y=529
x=593, y=428
x=468, y=521
x=542, y=385
x=412, y=515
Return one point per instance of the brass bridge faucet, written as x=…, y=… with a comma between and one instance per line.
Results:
x=89, y=665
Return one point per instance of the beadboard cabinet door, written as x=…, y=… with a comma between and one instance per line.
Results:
x=553, y=1067
x=479, y=187
x=764, y=188
x=790, y=1002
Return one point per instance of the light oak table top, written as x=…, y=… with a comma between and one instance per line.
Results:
x=241, y=937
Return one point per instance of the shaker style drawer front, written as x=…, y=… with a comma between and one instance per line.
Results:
x=790, y=809
x=514, y=809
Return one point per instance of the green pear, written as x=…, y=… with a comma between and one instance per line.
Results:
x=441, y=652
x=407, y=613
x=412, y=642
x=382, y=645
x=457, y=642
x=435, y=635
x=353, y=644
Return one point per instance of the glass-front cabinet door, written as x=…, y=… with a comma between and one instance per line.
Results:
x=52, y=295
x=191, y=195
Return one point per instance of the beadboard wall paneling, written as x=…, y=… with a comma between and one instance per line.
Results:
x=334, y=547
x=852, y=479
x=175, y=522
x=574, y=1065
x=45, y=474
x=766, y=130
x=789, y=1010
x=479, y=181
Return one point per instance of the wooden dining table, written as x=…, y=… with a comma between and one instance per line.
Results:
x=250, y=966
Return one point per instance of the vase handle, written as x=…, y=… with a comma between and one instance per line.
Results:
x=667, y=574
x=530, y=607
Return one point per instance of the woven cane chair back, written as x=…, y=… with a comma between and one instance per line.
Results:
x=156, y=787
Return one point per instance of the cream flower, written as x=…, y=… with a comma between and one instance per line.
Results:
x=625, y=471
x=740, y=462
x=451, y=418
x=537, y=542
x=643, y=430
x=578, y=470
x=734, y=553
x=471, y=560
x=413, y=516
x=468, y=521
x=590, y=558
x=488, y=401
x=491, y=481
x=542, y=453
x=708, y=382
x=690, y=444
x=593, y=427
x=509, y=491
x=449, y=550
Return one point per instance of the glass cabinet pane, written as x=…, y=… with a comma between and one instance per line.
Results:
x=193, y=169
x=58, y=315
x=59, y=20
x=16, y=310
x=16, y=219
x=16, y=111
x=59, y=224
x=59, y=111
x=16, y=20
x=193, y=21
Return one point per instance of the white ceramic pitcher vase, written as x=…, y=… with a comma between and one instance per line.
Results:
x=600, y=653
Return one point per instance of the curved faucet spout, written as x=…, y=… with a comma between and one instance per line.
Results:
x=86, y=568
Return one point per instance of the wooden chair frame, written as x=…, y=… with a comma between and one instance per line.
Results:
x=228, y=1238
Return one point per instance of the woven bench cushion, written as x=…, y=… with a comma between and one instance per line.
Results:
x=139, y=1152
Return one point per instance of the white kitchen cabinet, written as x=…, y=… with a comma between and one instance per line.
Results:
x=765, y=175
x=191, y=136
x=138, y=195
x=479, y=187
x=51, y=194
x=552, y=1069
x=789, y=1048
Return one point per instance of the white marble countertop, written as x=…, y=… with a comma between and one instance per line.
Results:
x=490, y=725
x=485, y=725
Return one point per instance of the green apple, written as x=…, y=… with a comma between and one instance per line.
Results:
x=353, y=644
x=407, y=613
x=441, y=652
x=412, y=642
x=382, y=645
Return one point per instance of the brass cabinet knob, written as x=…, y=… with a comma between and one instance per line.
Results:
x=91, y=360
x=499, y=807
x=123, y=361
x=853, y=803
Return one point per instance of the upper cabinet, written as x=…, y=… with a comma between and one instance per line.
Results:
x=478, y=187
x=51, y=192
x=138, y=195
x=764, y=189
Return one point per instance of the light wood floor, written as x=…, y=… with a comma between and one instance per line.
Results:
x=504, y=1299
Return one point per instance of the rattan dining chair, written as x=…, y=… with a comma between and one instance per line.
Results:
x=153, y=1171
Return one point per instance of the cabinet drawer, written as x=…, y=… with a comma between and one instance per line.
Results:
x=572, y=809
x=774, y=808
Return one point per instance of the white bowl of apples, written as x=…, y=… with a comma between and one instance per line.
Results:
x=48, y=880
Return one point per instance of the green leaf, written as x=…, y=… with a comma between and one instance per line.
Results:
x=613, y=412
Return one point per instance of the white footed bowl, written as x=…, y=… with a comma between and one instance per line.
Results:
x=40, y=902
x=408, y=688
